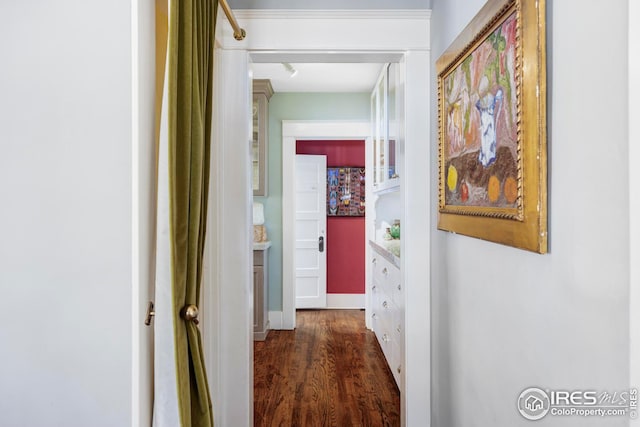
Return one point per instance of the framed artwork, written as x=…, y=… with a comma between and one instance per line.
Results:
x=345, y=191
x=492, y=127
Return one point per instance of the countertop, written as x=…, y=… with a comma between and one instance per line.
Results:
x=261, y=246
x=385, y=253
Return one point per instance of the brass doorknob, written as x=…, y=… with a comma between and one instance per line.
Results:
x=190, y=313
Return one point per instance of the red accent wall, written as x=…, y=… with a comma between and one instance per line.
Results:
x=345, y=235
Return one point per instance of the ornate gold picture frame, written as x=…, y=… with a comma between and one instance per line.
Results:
x=492, y=127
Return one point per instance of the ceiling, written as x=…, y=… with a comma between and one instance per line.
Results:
x=319, y=77
x=334, y=75
x=329, y=76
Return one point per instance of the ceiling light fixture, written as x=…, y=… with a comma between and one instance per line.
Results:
x=290, y=69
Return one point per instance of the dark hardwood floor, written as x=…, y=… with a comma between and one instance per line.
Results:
x=330, y=371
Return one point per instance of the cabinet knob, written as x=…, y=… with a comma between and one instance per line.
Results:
x=385, y=304
x=374, y=261
x=399, y=369
x=399, y=329
x=384, y=271
x=385, y=338
x=373, y=288
x=374, y=316
x=399, y=287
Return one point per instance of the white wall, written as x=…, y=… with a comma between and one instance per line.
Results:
x=65, y=216
x=505, y=319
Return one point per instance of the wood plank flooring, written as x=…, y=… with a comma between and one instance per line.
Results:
x=330, y=371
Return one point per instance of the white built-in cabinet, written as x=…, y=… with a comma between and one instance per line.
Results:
x=385, y=288
x=387, y=307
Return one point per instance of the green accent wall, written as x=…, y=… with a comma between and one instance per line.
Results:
x=297, y=106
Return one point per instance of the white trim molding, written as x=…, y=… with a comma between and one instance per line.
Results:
x=275, y=319
x=345, y=301
x=416, y=255
x=634, y=196
x=340, y=30
x=297, y=14
x=228, y=290
x=143, y=204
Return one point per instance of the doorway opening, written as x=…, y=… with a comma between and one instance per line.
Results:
x=404, y=40
x=345, y=218
x=296, y=134
x=294, y=131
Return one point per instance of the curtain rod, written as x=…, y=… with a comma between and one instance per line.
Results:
x=238, y=33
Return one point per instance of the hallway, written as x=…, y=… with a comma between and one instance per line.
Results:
x=329, y=371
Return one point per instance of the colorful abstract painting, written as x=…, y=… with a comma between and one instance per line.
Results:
x=481, y=124
x=492, y=127
x=345, y=191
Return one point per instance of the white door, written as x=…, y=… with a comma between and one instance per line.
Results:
x=310, y=231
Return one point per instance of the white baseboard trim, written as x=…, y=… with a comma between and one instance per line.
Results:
x=275, y=319
x=345, y=301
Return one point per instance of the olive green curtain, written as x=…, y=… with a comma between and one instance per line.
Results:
x=190, y=83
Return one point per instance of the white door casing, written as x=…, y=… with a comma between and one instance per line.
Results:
x=634, y=195
x=291, y=132
x=310, y=231
x=347, y=36
x=227, y=305
x=143, y=202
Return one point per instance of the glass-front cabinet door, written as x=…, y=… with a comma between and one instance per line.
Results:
x=392, y=122
x=255, y=147
x=377, y=120
x=384, y=112
x=262, y=92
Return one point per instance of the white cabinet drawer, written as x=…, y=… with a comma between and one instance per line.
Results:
x=385, y=337
x=376, y=268
x=385, y=274
x=396, y=362
x=397, y=292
